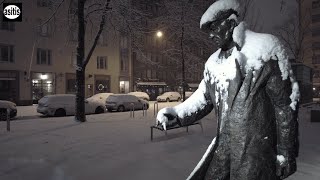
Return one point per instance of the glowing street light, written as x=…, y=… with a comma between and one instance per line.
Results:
x=159, y=34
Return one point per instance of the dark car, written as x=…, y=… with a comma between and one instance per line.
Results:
x=125, y=102
x=4, y=105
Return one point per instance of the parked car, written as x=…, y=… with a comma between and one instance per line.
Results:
x=123, y=102
x=169, y=96
x=4, y=105
x=100, y=97
x=141, y=95
x=64, y=105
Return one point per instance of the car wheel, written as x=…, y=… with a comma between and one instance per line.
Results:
x=60, y=113
x=120, y=109
x=99, y=110
x=3, y=116
x=179, y=99
x=168, y=100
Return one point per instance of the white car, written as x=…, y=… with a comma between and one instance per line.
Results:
x=141, y=95
x=64, y=105
x=4, y=105
x=169, y=96
x=100, y=97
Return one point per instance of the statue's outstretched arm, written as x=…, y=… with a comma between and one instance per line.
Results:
x=197, y=106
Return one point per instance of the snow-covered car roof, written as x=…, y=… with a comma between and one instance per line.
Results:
x=100, y=96
x=57, y=98
x=6, y=104
x=171, y=92
x=140, y=94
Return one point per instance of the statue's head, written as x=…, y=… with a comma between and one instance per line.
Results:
x=219, y=21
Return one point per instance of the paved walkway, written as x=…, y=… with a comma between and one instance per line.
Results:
x=114, y=146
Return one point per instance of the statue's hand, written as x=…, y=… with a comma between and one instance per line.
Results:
x=285, y=166
x=166, y=117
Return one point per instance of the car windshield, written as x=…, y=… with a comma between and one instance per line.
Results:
x=112, y=98
x=167, y=94
x=44, y=100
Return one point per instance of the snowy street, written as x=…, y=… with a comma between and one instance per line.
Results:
x=115, y=146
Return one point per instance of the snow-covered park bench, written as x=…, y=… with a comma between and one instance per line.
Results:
x=159, y=127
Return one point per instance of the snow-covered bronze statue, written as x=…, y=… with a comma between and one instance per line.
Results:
x=250, y=85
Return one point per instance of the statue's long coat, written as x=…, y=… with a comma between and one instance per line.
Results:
x=259, y=125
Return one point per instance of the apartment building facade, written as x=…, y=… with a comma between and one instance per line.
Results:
x=310, y=17
x=37, y=56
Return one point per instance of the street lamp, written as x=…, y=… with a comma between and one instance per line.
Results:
x=159, y=34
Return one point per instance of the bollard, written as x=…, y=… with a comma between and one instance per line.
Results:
x=154, y=108
x=8, y=119
x=144, y=110
x=132, y=110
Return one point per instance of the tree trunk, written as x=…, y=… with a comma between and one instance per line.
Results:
x=80, y=106
x=80, y=70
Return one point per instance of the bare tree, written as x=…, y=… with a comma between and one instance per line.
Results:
x=293, y=33
x=82, y=59
x=179, y=20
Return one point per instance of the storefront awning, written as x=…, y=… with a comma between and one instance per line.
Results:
x=7, y=79
x=151, y=84
x=193, y=85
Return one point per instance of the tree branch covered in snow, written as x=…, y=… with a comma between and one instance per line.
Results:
x=102, y=24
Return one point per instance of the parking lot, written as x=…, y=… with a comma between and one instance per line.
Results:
x=115, y=146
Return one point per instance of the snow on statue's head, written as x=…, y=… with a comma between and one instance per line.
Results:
x=216, y=8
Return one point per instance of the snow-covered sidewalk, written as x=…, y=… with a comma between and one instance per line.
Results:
x=114, y=146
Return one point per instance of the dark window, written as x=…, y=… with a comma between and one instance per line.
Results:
x=316, y=45
x=4, y=85
x=44, y=56
x=9, y=26
x=6, y=53
x=316, y=18
x=316, y=59
x=315, y=4
x=71, y=85
x=316, y=74
x=102, y=86
x=124, y=56
x=44, y=3
x=316, y=32
x=102, y=62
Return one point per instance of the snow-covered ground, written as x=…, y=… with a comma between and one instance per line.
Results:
x=115, y=146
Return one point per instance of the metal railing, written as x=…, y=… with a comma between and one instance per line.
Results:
x=132, y=110
x=154, y=109
x=5, y=116
x=144, y=110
